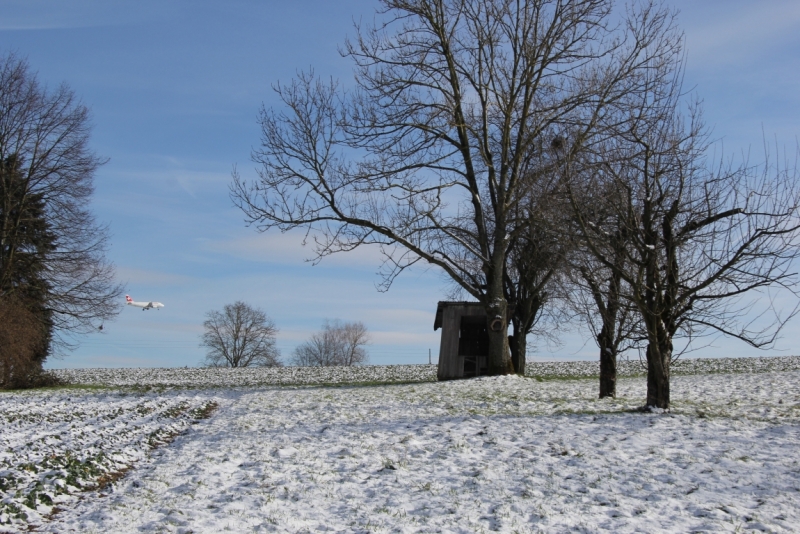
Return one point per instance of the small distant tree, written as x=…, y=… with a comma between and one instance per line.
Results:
x=240, y=336
x=338, y=344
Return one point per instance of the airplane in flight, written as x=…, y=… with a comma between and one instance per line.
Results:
x=143, y=305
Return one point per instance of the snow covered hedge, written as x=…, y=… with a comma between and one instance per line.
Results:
x=697, y=366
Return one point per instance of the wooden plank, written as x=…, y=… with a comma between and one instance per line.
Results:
x=449, y=349
x=451, y=365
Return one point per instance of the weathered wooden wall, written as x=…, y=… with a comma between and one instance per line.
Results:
x=450, y=364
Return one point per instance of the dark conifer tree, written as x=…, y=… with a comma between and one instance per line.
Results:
x=25, y=241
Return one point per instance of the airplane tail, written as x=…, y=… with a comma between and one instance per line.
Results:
x=128, y=298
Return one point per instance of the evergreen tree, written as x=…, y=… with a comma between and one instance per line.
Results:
x=25, y=241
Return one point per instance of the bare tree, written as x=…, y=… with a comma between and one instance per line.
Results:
x=240, y=336
x=427, y=157
x=705, y=242
x=338, y=344
x=536, y=264
x=597, y=294
x=44, y=136
x=600, y=301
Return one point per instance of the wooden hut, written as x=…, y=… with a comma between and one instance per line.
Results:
x=464, y=349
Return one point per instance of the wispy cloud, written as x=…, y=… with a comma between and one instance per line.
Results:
x=39, y=15
x=739, y=32
x=399, y=338
x=109, y=359
x=289, y=248
x=152, y=278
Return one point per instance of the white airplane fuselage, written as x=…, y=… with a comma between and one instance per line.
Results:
x=143, y=305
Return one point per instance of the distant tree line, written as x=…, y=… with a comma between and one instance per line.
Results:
x=244, y=336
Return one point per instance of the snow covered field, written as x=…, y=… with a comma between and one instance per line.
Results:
x=504, y=454
x=199, y=377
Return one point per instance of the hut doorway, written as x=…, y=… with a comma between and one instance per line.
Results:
x=473, y=346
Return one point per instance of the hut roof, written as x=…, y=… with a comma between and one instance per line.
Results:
x=437, y=323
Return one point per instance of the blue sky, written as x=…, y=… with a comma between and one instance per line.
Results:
x=175, y=88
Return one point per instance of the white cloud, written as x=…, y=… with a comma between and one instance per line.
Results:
x=287, y=248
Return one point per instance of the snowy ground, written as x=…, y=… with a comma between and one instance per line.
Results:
x=502, y=454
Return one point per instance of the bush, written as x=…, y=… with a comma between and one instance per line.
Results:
x=21, y=338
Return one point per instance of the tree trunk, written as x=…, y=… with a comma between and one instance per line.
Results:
x=497, y=327
x=499, y=354
x=522, y=355
x=658, y=362
x=512, y=348
x=606, y=339
x=517, y=345
x=518, y=349
x=608, y=363
x=497, y=313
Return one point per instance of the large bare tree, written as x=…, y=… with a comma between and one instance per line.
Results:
x=705, y=241
x=240, y=336
x=46, y=160
x=451, y=98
